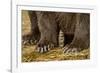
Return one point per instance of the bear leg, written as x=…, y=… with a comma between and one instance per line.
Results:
x=82, y=33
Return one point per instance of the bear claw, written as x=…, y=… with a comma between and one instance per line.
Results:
x=70, y=50
x=43, y=49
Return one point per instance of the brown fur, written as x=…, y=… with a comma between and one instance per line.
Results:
x=75, y=27
x=74, y=24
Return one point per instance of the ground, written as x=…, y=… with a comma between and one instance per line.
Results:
x=29, y=54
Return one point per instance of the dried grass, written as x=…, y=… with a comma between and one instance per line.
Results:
x=29, y=55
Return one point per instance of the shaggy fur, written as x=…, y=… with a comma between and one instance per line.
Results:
x=46, y=26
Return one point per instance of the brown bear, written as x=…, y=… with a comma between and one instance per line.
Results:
x=81, y=38
x=34, y=35
x=76, y=25
x=45, y=27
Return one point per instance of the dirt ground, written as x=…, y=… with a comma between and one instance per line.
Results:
x=30, y=55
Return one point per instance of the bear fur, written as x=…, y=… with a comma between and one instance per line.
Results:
x=45, y=27
x=75, y=25
x=34, y=35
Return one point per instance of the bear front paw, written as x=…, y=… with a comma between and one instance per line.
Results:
x=71, y=49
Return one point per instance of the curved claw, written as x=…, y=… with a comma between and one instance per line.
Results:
x=45, y=48
x=70, y=50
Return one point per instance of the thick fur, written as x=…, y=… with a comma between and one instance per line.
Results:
x=75, y=25
x=34, y=35
x=81, y=38
x=34, y=26
x=45, y=27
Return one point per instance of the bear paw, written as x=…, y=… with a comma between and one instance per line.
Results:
x=71, y=49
